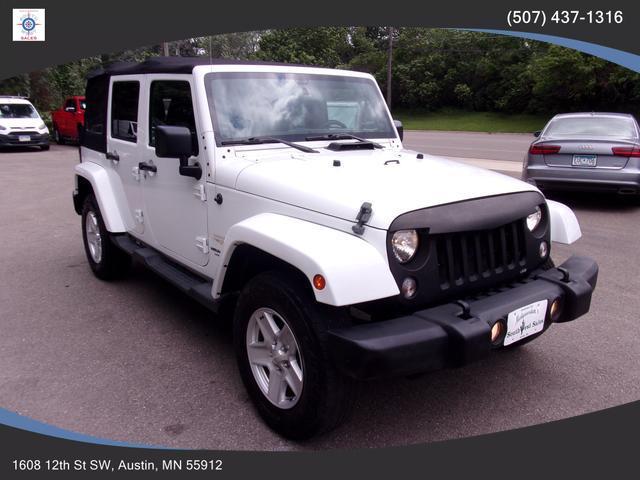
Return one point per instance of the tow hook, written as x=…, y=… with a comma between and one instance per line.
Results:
x=565, y=274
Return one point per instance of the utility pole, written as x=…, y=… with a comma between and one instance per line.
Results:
x=389, y=65
x=165, y=48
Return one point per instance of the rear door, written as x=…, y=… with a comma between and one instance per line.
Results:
x=124, y=143
x=176, y=205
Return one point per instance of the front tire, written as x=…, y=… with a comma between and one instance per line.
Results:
x=279, y=340
x=105, y=259
x=57, y=137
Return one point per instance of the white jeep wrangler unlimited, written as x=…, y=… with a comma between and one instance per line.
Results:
x=284, y=193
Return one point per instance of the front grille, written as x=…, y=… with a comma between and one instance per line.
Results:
x=466, y=257
x=16, y=134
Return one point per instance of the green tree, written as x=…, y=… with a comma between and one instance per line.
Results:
x=324, y=46
x=565, y=79
x=432, y=68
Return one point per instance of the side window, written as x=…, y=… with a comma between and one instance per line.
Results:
x=70, y=103
x=96, y=110
x=124, y=110
x=170, y=104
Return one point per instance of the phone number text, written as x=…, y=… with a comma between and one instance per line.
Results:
x=564, y=17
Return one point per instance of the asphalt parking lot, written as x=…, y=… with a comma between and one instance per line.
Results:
x=136, y=361
x=492, y=146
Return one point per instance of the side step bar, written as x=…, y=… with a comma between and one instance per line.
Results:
x=195, y=286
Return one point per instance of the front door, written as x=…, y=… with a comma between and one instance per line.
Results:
x=68, y=119
x=175, y=204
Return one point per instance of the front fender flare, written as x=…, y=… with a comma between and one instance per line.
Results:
x=354, y=270
x=109, y=193
x=564, y=224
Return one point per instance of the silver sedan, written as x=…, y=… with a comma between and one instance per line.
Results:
x=586, y=151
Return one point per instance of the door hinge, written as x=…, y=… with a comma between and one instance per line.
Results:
x=198, y=191
x=138, y=215
x=202, y=244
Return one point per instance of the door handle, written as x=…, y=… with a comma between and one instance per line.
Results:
x=146, y=167
x=113, y=156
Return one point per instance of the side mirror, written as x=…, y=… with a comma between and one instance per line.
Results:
x=537, y=134
x=399, y=128
x=175, y=142
x=70, y=109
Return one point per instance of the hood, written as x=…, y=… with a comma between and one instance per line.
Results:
x=393, y=181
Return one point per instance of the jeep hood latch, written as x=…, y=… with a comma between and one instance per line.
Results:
x=363, y=217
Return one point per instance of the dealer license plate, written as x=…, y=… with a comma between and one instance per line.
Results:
x=24, y=138
x=584, y=160
x=525, y=321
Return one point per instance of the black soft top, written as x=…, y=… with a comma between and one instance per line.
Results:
x=172, y=65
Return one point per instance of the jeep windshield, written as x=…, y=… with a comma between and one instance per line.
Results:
x=295, y=107
x=17, y=110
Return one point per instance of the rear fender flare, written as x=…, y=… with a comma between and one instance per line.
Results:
x=107, y=188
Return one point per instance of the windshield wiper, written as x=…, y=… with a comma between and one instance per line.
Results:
x=260, y=140
x=343, y=136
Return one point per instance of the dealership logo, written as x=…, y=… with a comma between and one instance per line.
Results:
x=28, y=24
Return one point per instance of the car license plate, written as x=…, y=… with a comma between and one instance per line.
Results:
x=584, y=160
x=24, y=138
x=525, y=321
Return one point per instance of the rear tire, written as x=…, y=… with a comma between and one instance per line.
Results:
x=107, y=261
x=280, y=336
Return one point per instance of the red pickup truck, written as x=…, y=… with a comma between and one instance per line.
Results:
x=67, y=120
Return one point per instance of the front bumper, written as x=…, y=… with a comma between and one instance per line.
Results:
x=13, y=140
x=447, y=336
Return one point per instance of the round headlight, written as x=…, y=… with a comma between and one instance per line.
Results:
x=534, y=219
x=404, y=244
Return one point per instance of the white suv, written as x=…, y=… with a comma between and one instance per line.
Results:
x=21, y=124
x=282, y=195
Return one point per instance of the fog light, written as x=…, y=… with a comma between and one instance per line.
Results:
x=319, y=282
x=496, y=331
x=409, y=288
x=556, y=309
x=544, y=249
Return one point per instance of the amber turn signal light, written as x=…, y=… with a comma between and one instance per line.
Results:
x=319, y=282
x=496, y=331
x=556, y=309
